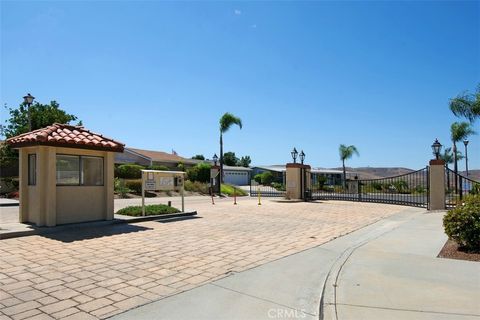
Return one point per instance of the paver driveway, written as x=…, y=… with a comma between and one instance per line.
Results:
x=98, y=272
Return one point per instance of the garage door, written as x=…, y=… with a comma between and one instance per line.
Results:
x=237, y=178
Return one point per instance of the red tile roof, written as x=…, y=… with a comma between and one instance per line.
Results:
x=64, y=135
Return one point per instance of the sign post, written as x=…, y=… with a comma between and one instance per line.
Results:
x=157, y=180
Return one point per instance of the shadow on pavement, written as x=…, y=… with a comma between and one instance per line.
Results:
x=177, y=219
x=86, y=233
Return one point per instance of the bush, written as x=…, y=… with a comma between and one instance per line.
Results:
x=129, y=171
x=197, y=186
x=462, y=224
x=230, y=190
x=280, y=186
x=200, y=172
x=120, y=188
x=134, y=185
x=267, y=178
x=258, y=178
x=150, y=210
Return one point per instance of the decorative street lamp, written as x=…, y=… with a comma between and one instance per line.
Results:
x=436, y=147
x=465, y=142
x=294, y=155
x=302, y=156
x=215, y=159
x=28, y=99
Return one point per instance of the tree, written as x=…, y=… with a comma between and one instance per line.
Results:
x=198, y=157
x=230, y=159
x=245, y=161
x=42, y=115
x=345, y=154
x=448, y=157
x=467, y=105
x=226, y=122
x=459, y=131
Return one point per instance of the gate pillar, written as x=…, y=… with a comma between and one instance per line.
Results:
x=437, y=185
x=297, y=180
x=215, y=179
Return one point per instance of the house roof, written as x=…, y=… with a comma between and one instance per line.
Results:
x=64, y=135
x=158, y=156
x=282, y=168
x=232, y=168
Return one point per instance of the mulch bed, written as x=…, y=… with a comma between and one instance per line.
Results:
x=451, y=251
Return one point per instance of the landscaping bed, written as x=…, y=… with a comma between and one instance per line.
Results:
x=150, y=210
x=451, y=250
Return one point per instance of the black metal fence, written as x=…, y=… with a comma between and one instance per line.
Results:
x=457, y=187
x=408, y=189
x=275, y=189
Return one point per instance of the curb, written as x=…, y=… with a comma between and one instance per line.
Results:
x=49, y=230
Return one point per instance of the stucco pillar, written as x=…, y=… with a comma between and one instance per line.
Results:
x=297, y=178
x=23, y=186
x=50, y=191
x=109, y=185
x=437, y=184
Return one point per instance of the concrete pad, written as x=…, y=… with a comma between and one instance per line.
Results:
x=295, y=281
x=410, y=282
x=210, y=302
x=347, y=312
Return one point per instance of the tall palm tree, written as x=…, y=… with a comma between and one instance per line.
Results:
x=467, y=105
x=345, y=154
x=448, y=157
x=459, y=131
x=226, y=121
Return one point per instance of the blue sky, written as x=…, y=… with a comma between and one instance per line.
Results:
x=158, y=75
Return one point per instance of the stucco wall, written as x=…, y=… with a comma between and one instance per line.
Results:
x=80, y=204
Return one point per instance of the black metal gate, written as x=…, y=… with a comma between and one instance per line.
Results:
x=457, y=187
x=410, y=189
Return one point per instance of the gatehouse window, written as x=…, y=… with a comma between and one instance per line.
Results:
x=32, y=169
x=79, y=170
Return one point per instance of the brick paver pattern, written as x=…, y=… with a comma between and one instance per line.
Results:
x=93, y=273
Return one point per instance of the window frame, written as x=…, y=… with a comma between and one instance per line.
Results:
x=32, y=181
x=80, y=171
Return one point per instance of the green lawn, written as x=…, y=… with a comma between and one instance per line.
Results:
x=229, y=190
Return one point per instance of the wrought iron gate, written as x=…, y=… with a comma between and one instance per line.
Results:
x=410, y=189
x=457, y=187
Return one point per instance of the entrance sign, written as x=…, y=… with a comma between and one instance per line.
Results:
x=156, y=180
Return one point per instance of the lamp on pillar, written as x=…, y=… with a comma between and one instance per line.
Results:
x=294, y=155
x=436, y=148
x=465, y=142
x=28, y=100
x=302, y=156
x=215, y=159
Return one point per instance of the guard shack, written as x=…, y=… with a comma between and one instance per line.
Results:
x=66, y=175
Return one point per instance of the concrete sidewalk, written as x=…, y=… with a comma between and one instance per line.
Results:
x=387, y=270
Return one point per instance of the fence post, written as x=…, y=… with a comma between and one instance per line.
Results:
x=460, y=182
x=437, y=184
x=295, y=181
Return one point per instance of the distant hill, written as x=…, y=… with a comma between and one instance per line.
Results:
x=378, y=172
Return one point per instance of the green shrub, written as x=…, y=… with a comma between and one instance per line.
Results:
x=258, y=178
x=200, y=172
x=134, y=185
x=280, y=186
x=462, y=224
x=230, y=190
x=160, y=168
x=150, y=210
x=475, y=188
x=197, y=186
x=129, y=171
x=120, y=188
x=267, y=178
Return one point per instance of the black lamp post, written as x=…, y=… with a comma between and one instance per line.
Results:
x=28, y=99
x=294, y=155
x=436, y=148
x=465, y=142
x=302, y=156
x=215, y=159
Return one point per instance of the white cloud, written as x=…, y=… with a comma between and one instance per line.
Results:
x=237, y=12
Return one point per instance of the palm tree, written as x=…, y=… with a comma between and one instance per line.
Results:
x=467, y=105
x=346, y=153
x=448, y=157
x=226, y=121
x=459, y=131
